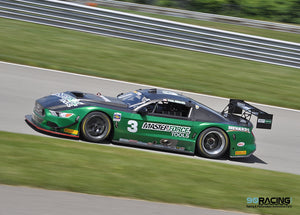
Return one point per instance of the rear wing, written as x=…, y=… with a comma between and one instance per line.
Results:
x=245, y=110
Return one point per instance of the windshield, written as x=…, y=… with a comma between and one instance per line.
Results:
x=133, y=99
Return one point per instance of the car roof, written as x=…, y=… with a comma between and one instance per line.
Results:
x=160, y=94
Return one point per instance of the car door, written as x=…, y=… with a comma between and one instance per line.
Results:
x=161, y=124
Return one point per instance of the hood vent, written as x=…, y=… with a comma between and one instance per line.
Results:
x=78, y=94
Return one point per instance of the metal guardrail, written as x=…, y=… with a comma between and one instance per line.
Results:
x=150, y=30
x=195, y=15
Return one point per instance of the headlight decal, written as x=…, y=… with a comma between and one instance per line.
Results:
x=65, y=115
x=60, y=114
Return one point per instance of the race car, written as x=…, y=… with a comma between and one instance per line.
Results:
x=151, y=118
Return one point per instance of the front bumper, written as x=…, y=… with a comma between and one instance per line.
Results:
x=29, y=119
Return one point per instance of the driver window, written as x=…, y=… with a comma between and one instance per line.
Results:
x=171, y=109
x=149, y=108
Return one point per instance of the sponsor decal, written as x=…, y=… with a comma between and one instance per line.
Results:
x=68, y=100
x=265, y=121
x=180, y=148
x=269, y=202
x=117, y=117
x=175, y=130
x=240, y=152
x=71, y=131
x=241, y=129
x=240, y=144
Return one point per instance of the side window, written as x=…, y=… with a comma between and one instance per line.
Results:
x=149, y=108
x=172, y=109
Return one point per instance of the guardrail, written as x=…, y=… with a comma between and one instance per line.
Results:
x=150, y=30
x=195, y=15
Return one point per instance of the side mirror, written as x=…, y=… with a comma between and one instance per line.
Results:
x=143, y=111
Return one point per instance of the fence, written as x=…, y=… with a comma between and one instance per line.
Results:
x=144, y=29
x=196, y=15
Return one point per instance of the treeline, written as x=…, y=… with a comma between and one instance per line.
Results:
x=272, y=10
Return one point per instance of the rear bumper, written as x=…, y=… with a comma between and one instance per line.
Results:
x=34, y=125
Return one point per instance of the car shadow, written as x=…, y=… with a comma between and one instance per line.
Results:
x=250, y=159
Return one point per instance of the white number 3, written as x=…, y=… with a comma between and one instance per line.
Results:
x=133, y=126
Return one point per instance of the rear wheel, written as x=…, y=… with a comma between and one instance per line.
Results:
x=96, y=127
x=212, y=143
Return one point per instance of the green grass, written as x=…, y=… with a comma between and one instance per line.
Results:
x=98, y=169
x=279, y=35
x=78, y=52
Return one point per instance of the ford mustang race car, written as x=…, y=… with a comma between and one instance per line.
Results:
x=151, y=118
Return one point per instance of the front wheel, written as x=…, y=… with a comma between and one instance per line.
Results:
x=96, y=127
x=212, y=143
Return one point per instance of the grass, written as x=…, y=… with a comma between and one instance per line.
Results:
x=98, y=169
x=78, y=52
x=279, y=35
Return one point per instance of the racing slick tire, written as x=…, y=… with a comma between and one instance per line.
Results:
x=212, y=143
x=96, y=127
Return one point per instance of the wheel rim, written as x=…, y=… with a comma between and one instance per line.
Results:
x=96, y=127
x=213, y=142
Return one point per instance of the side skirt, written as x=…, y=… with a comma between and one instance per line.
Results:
x=155, y=147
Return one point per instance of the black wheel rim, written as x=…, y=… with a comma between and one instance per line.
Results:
x=96, y=127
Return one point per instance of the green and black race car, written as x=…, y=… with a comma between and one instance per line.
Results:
x=151, y=118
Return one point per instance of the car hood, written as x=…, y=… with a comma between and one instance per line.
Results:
x=73, y=99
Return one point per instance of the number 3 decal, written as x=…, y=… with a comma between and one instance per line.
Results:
x=133, y=126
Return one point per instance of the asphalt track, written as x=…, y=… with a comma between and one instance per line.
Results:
x=32, y=201
x=277, y=149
